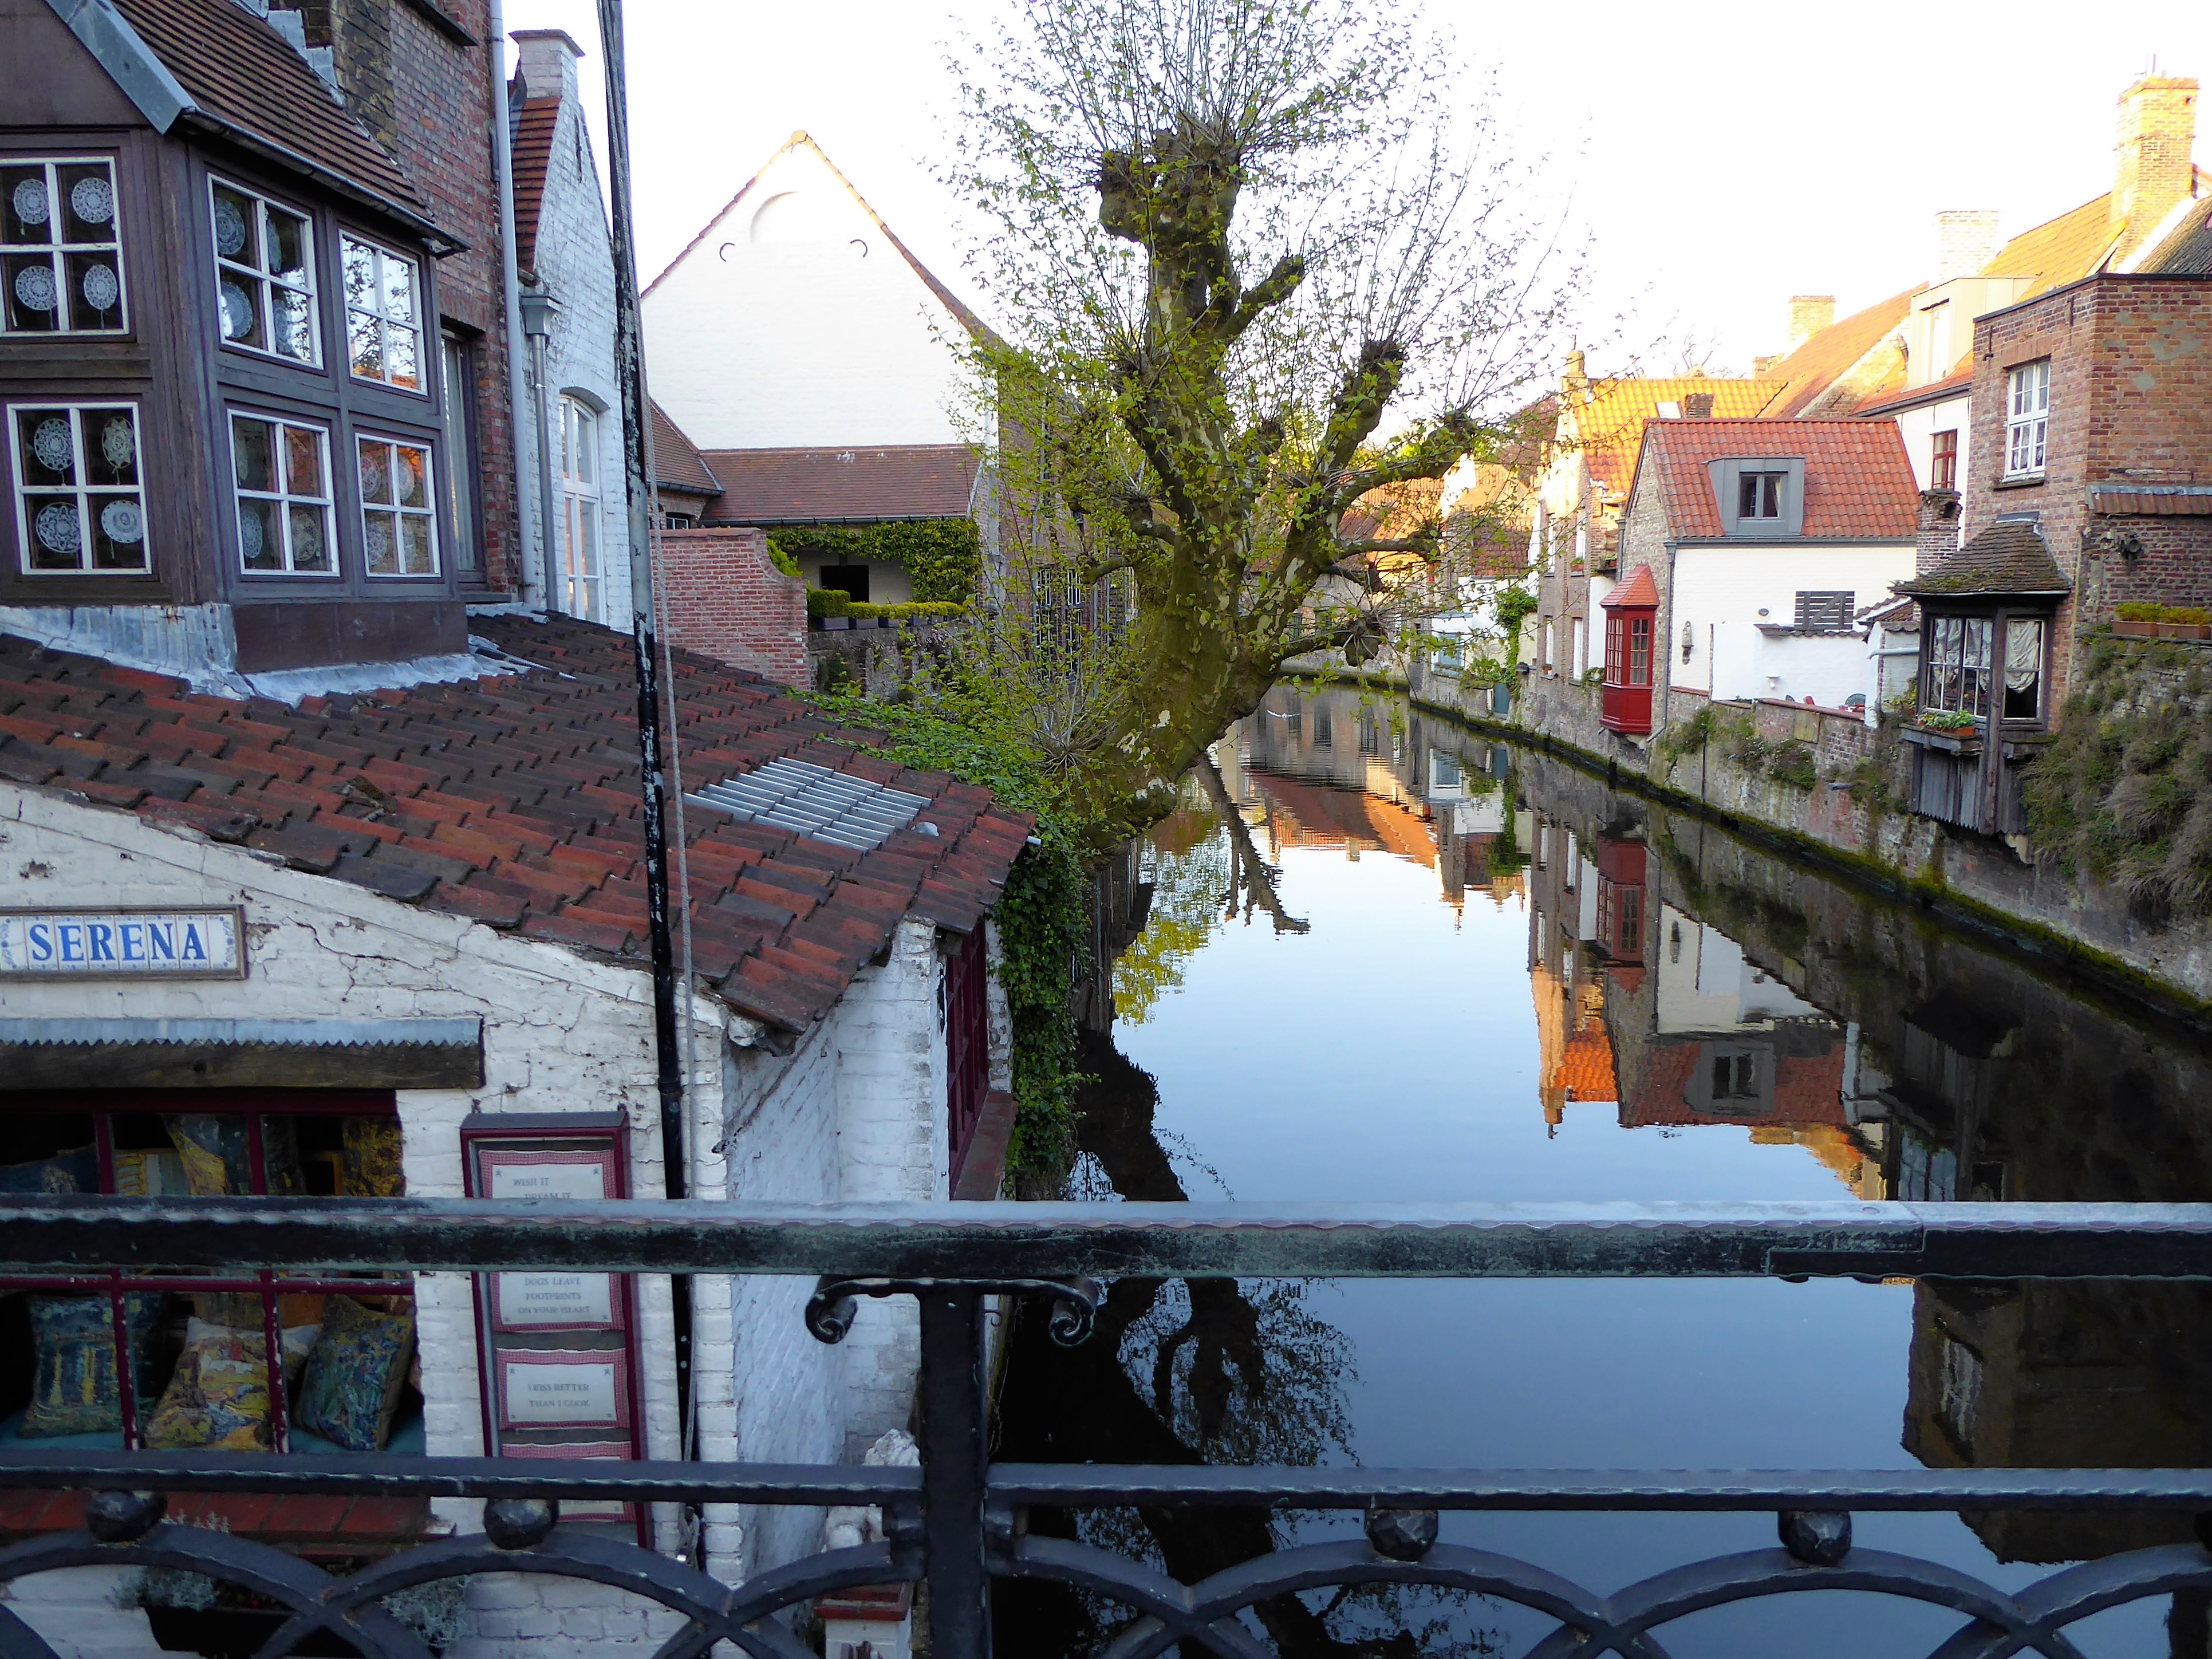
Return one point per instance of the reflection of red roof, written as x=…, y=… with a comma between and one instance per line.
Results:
x=1807, y=1089
x=1322, y=816
x=1587, y=1067
x=1639, y=592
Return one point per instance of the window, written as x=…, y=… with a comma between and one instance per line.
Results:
x=460, y=382
x=1639, y=651
x=1580, y=655
x=1758, y=495
x=1943, y=460
x=1958, y=665
x=2028, y=419
x=2023, y=679
x=282, y=475
x=399, y=528
x=122, y=1358
x=1825, y=612
x=679, y=521
x=384, y=330
x=580, y=510
x=265, y=260
x=80, y=504
x=61, y=248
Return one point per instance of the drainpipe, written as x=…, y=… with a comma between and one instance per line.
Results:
x=509, y=283
x=538, y=308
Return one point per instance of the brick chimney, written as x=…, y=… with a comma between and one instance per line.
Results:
x=1808, y=314
x=547, y=58
x=2158, y=129
x=1697, y=406
x=1938, y=529
x=1966, y=240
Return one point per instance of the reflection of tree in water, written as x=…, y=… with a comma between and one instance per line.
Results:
x=1182, y=1371
x=1190, y=871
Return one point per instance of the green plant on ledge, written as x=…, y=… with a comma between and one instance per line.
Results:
x=1952, y=721
x=2139, y=610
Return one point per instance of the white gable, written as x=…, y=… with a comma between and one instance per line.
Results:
x=791, y=321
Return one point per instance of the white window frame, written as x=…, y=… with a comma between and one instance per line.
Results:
x=386, y=326
x=81, y=493
x=284, y=497
x=20, y=258
x=426, y=511
x=583, y=558
x=2027, y=419
x=264, y=281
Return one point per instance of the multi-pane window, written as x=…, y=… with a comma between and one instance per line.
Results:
x=580, y=511
x=384, y=313
x=264, y=258
x=461, y=452
x=398, y=510
x=282, y=475
x=2028, y=419
x=2023, y=675
x=1759, y=496
x=1957, y=677
x=80, y=503
x=1639, y=651
x=1943, y=461
x=61, y=248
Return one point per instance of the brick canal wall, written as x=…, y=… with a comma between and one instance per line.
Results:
x=1848, y=811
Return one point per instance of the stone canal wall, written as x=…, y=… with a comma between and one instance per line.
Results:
x=1822, y=784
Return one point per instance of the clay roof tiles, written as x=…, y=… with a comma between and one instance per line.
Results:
x=677, y=460
x=2006, y=558
x=514, y=801
x=243, y=76
x=861, y=483
x=536, y=122
x=1834, y=371
x=1858, y=482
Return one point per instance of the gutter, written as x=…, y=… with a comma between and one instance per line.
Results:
x=442, y=243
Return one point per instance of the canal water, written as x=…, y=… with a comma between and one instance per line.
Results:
x=1378, y=957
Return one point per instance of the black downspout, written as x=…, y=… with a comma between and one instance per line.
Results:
x=629, y=371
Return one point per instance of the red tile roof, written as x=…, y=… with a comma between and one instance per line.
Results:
x=1858, y=484
x=513, y=802
x=677, y=460
x=536, y=122
x=822, y=486
x=245, y=77
x=1959, y=382
x=1640, y=590
x=1821, y=371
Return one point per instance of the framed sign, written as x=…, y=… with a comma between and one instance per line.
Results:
x=584, y=1176
x=557, y=1299
x=198, y=942
x=563, y=1389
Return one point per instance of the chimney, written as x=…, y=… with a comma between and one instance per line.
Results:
x=1575, y=381
x=2158, y=128
x=1697, y=406
x=1966, y=240
x=547, y=58
x=1808, y=314
x=1760, y=365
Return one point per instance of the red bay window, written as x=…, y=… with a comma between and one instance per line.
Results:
x=1630, y=622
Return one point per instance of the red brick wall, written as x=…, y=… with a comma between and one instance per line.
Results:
x=725, y=600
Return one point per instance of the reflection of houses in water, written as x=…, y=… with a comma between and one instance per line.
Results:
x=1577, y=944
x=1338, y=768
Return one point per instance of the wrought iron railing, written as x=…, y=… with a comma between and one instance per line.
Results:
x=958, y=1521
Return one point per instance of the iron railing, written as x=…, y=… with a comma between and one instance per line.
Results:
x=958, y=1521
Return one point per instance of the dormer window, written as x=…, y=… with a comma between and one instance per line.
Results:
x=61, y=248
x=264, y=258
x=384, y=314
x=1758, y=495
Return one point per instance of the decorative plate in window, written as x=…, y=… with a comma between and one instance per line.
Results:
x=101, y=290
x=123, y=522
x=31, y=201
x=250, y=537
x=116, y=442
x=237, y=312
x=56, y=527
x=50, y=444
x=34, y=287
x=229, y=227
x=93, y=200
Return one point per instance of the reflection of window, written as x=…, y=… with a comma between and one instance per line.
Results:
x=61, y=248
x=1958, y=1390
x=1324, y=729
x=1735, y=1076
x=2023, y=679
x=580, y=511
x=1943, y=461
x=127, y=1360
x=79, y=504
x=265, y=275
x=1958, y=665
x=1443, y=771
x=281, y=472
x=460, y=382
x=384, y=329
x=399, y=529
x=1925, y=1171
x=2028, y=419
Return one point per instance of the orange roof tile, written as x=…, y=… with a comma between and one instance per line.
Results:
x=2059, y=251
x=1638, y=590
x=1858, y=484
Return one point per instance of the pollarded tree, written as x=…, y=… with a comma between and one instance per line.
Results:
x=1255, y=259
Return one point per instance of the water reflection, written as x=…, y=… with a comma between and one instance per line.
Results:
x=1752, y=1025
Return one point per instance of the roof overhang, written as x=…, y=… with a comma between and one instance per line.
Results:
x=2151, y=500
x=241, y=1054
x=441, y=243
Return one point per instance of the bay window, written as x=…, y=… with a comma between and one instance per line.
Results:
x=80, y=501
x=1958, y=665
x=2027, y=419
x=398, y=508
x=61, y=248
x=384, y=314
x=281, y=478
x=265, y=257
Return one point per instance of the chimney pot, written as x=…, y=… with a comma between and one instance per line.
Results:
x=1808, y=314
x=2158, y=132
x=1966, y=240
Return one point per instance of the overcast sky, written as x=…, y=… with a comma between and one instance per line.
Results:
x=1721, y=155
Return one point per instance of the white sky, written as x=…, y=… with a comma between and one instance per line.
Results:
x=1722, y=155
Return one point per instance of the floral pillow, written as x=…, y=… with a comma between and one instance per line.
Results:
x=74, y=1388
x=354, y=1377
x=373, y=1159
x=218, y=1399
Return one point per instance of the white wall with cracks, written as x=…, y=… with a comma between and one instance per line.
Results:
x=855, y=1112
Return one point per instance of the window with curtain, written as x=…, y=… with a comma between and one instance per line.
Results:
x=1958, y=665
x=2023, y=680
x=579, y=512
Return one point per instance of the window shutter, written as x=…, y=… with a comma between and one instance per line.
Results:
x=1824, y=612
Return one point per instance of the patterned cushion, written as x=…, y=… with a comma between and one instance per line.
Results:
x=354, y=1375
x=218, y=1399
x=75, y=1171
x=74, y=1388
x=213, y=1147
x=372, y=1158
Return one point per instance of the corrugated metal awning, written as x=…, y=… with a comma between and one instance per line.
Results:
x=264, y=1053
